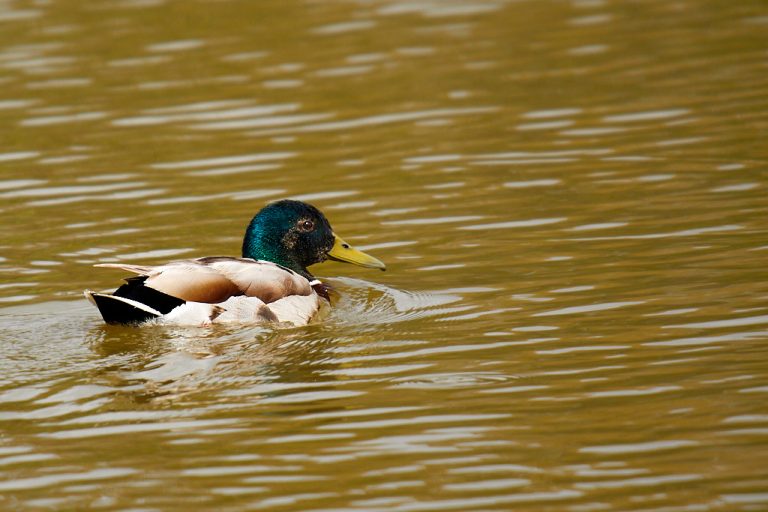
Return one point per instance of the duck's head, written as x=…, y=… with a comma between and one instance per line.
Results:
x=296, y=235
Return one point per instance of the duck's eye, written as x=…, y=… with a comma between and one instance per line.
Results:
x=306, y=225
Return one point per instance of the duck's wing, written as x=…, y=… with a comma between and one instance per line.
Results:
x=214, y=280
x=185, y=280
x=263, y=279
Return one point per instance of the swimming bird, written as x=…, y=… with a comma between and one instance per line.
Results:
x=270, y=283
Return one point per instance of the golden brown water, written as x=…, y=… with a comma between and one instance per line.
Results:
x=571, y=198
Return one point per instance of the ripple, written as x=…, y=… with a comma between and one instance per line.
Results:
x=379, y=370
x=594, y=131
x=589, y=49
x=175, y=46
x=433, y=220
x=65, y=159
x=154, y=254
x=573, y=289
x=747, y=418
x=291, y=499
x=490, y=501
x=372, y=411
x=494, y=468
x=439, y=9
x=77, y=392
x=9, y=14
x=261, y=122
x=716, y=324
x=588, y=308
x=21, y=393
x=484, y=485
x=210, y=115
x=237, y=196
x=64, y=478
x=61, y=83
x=651, y=446
x=432, y=159
x=63, y=119
x=282, y=84
x=533, y=183
x=758, y=389
x=237, y=169
x=598, y=225
x=224, y=160
x=705, y=340
x=308, y=438
x=653, y=115
x=514, y=389
x=739, y=187
x=238, y=491
x=426, y=351
x=739, y=498
x=18, y=298
x=552, y=113
x=383, y=119
x=344, y=71
x=132, y=429
x=217, y=106
x=139, y=61
x=310, y=396
x=544, y=125
x=244, y=56
x=523, y=162
x=446, y=380
x=13, y=104
x=319, y=196
x=18, y=155
x=419, y=420
x=15, y=184
x=583, y=348
x=673, y=234
x=593, y=19
x=69, y=190
x=132, y=194
x=654, y=390
x=41, y=64
x=650, y=481
x=236, y=470
x=283, y=478
x=126, y=417
x=513, y=224
x=448, y=266
x=27, y=458
x=342, y=28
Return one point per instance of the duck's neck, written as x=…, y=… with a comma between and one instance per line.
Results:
x=259, y=244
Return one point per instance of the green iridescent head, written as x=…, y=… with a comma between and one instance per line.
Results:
x=296, y=235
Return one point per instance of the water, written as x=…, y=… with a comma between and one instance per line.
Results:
x=570, y=198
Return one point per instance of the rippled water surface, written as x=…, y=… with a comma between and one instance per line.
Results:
x=571, y=197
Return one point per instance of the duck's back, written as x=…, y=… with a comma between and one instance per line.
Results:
x=209, y=290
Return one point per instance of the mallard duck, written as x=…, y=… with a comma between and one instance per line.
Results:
x=270, y=283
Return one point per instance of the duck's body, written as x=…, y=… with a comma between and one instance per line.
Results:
x=270, y=283
x=210, y=290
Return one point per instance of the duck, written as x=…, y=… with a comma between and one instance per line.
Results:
x=270, y=283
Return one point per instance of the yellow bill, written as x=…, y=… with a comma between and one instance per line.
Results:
x=342, y=251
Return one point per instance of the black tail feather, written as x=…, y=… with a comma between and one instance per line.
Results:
x=114, y=310
x=134, y=289
x=133, y=303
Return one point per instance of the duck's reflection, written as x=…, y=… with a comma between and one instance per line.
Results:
x=168, y=363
